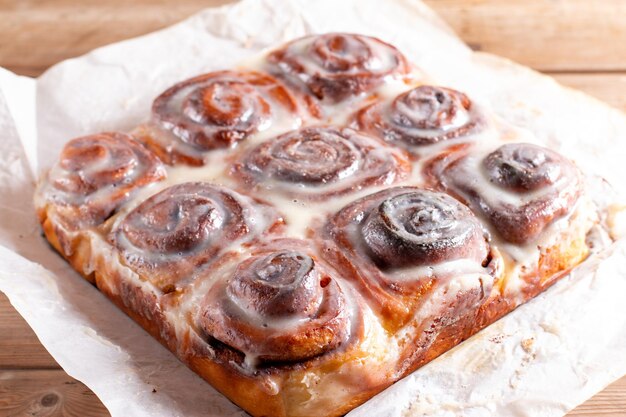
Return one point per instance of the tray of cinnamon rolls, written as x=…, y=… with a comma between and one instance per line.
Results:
x=308, y=228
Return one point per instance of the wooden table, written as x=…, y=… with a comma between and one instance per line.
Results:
x=582, y=43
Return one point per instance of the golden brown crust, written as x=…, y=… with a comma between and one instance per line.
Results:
x=569, y=248
x=73, y=246
x=242, y=390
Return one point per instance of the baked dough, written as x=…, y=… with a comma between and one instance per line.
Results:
x=307, y=230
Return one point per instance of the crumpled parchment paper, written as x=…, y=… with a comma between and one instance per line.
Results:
x=541, y=360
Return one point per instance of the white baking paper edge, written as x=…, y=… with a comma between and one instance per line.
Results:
x=541, y=360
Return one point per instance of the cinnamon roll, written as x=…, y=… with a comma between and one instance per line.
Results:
x=216, y=110
x=316, y=162
x=281, y=303
x=400, y=244
x=176, y=231
x=520, y=188
x=336, y=66
x=531, y=199
x=422, y=116
x=94, y=176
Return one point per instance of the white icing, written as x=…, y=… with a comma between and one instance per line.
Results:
x=460, y=271
x=356, y=161
x=281, y=117
x=444, y=294
x=301, y=215
x=494, y=195
x=134, y=170
x=381, y=60
x=525, y=257
x=460, y=119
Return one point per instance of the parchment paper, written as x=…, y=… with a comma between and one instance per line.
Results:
x=541, y=360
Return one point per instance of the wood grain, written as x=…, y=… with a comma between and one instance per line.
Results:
x=549, y=35
x=582, y=43
x=19, y=347
x=563, y=37
x=56, y=30
x=611, y=402
x=46, y=393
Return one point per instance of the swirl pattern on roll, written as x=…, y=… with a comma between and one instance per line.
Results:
x=280, y=304
x=176, y=231
x=336, y=66
x=410, y=227
x=520, y=187
x=316, y=162
x=96, y=174
x=422, y=116
x=400, y=243
x=220, y=109
x=421, y=228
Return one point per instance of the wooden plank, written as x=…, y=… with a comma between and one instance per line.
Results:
x=611, y=402
x=81, y=26
x=52, y=31
x=19, y=347
x=54, y=393
x=608, y=87
x=46, y=393
x=544, y=34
